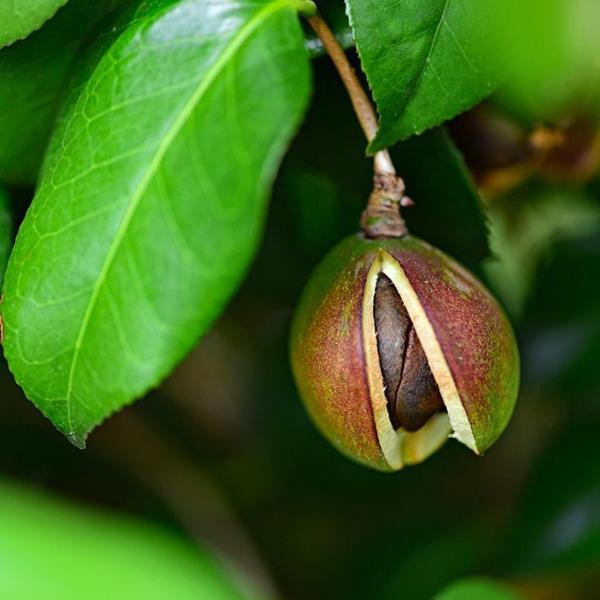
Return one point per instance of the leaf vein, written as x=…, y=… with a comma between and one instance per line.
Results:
x=238, y=39
x=427, y=61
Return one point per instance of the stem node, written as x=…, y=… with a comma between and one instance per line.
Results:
x=381, y=217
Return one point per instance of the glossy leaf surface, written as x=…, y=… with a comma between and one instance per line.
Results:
x=425, y=61
x=151, y=202
x=18, y=18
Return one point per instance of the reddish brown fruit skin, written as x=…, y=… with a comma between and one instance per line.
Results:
x=327, y=346
x=473, y=331
x=328, y=358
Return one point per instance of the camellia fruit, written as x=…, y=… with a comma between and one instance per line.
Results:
x=396, y=347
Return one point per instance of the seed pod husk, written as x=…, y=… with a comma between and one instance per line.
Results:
x=395, y=347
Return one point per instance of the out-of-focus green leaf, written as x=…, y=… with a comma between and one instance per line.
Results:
x=18, y=18
x=335, y=15
x=558, y=526
x=316, y=48
x=50, y=550
x=425, y=61
x=331, y=142
x=524, y=227
x=5, y=232
x=33, y=76
x=151, y=202
x=551, y=52
x=478, y=588
x=594, y=188
x=448, y=211
x=317, y=205
x=563, y=319
x=444, y=556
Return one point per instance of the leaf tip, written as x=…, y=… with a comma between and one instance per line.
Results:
x=77, y=439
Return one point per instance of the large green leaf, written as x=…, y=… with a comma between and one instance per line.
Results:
x=151, y=201
x=18, y=18
x=50, y=550
x=425, y=61
x=33, y=75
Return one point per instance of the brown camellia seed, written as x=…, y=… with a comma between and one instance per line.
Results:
x=395, y=347
x=411, y=391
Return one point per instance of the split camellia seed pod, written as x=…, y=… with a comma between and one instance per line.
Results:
x=396, y=347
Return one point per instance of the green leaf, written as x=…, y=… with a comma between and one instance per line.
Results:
x=477, y=587
x=151, y=202
x=316, y=208
x=33, y=75
x=50, y=549
x=563, y=319
x=18, y=18
x=548, y=81
x=425, y=61
x=558, y=527
x=444, y=555
x=448, y=210
x=525, y=226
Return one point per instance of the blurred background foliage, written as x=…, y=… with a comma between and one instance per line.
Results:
x=223, y=453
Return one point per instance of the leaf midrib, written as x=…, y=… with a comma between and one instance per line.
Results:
x=434, y=38
x=215, y=70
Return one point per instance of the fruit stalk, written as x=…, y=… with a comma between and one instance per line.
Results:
x=381, y=217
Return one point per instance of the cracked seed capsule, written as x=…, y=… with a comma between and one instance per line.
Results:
x=395, y=347
x=411, y=391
